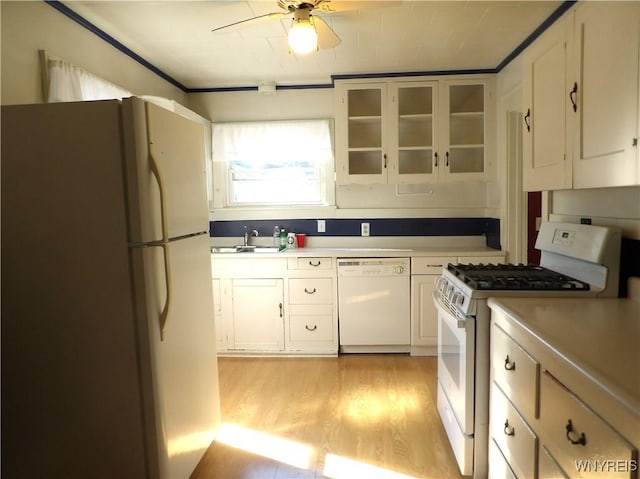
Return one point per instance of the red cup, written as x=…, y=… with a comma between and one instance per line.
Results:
x=301, y=238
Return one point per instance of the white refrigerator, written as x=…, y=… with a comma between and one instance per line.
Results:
x=109, y=365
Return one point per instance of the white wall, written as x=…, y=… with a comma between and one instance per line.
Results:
x=30, y=26
x=618, y=207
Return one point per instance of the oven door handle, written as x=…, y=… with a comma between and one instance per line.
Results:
x=461, y=323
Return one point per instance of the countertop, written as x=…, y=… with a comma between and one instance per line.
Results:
x=372, y=252
x=598, y=336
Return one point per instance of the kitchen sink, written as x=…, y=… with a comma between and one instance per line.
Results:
x=244, y=249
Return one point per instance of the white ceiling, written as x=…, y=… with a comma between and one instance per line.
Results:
x=403, y=36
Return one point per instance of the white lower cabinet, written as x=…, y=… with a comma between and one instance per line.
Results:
x=424, y=316
x=577, y=436
x=548, y=468
x=275, y=305
x=513, y=436
x=258, y=315
x=312, y=326
x=538, y=426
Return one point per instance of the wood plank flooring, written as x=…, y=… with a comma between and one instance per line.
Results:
x=350, y=417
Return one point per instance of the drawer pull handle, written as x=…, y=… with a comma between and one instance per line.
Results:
x=311, y=263
x=309, y=292
x=509, y=365
x=582, y=439
x=315, y=326
x=509, y=430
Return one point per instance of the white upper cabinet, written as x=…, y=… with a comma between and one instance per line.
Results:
x=464, y=149
x=581, y=100
x=423, y=131
x=546, y=162
x=412, y=132
x=361, y=144
x=605, y=72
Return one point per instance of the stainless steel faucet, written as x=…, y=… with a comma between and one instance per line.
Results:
x=248, y=235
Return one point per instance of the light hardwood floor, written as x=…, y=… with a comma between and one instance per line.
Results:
x=351, y=417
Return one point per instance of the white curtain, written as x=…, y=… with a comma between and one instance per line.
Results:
x=67, y=82
x=273, y=142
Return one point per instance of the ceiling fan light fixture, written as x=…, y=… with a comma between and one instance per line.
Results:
x=303, y=38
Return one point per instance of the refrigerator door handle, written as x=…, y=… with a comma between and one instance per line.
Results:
x=155, y=170
x=164, y=314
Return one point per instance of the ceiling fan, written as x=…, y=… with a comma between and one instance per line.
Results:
x=308, y=32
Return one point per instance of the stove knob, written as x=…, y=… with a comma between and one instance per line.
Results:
x=459, y=301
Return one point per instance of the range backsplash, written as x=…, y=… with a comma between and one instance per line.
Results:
x=489, y=227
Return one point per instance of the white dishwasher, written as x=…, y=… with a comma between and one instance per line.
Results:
x=374, y=305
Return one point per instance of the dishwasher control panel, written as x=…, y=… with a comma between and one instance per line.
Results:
x=368, y=267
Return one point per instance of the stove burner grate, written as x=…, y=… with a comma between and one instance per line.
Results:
x=514, y=277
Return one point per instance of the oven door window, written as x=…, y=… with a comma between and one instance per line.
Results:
x=456, y=355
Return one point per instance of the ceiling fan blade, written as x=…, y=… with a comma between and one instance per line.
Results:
x=251, y=21
x=327, y=38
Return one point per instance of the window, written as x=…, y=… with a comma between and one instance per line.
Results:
x=275, y=162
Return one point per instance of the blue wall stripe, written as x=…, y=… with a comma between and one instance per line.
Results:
x=61, y=7
x=489, y=227
x=566, y=5
x=115, y=43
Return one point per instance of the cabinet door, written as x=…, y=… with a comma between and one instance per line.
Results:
x=424, y=316
x=464, y=130
x=412, y=149
x=258, y=311
x=546, y=165
x=606, y=75
x=361, y=155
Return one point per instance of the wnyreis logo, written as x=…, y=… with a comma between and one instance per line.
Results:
x=606, y=465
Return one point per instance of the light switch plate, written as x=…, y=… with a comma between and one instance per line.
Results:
x=364, y=229
x=322, y=226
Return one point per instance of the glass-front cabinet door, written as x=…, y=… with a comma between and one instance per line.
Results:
x=363, y=107
x=464, y=157
x=413, y=156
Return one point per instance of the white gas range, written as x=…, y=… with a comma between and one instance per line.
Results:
x=576, y=260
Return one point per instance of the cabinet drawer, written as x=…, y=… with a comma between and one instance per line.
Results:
x=310, y=327
x=431, y=264
x=515, y=372
x=314, y=263
x=548, y=467
x=498, y=466
x=510, y=432
x=577, y=437
x=311, y=291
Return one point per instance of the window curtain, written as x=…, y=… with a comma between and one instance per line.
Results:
x=269, y=142
x=64, y=81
